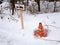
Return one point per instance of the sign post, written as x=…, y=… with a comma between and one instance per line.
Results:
x=21, y=17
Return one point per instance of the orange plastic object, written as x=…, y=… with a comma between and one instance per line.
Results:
x=40, y=26
x=41, y=33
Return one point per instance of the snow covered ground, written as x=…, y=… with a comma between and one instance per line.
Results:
x=12, y=34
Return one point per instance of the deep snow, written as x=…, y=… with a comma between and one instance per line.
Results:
x=12, y=34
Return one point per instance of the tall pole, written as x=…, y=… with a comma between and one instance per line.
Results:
x=21, y=17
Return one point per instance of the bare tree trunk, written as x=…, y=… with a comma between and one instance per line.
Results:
x=38, y=2
x=54, y=6
x=13, y=5
x=27, y=2
x=0, y=2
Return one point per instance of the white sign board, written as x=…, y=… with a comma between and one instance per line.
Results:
x=18, y=6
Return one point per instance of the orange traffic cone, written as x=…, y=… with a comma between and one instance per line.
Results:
x=40, y=32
